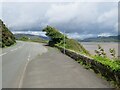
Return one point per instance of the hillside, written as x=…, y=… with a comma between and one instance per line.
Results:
x=29, y=37
x=59, y=39
x=18, y=36
x=6, y=37
x=102, y=39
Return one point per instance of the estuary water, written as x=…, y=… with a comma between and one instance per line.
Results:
x=92, y=46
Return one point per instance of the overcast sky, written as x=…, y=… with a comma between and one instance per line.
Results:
x=77, y=19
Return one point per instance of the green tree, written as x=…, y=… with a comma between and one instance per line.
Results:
x=54, y=35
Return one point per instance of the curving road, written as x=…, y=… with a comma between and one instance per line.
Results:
x=15, y=60
x=34, y=65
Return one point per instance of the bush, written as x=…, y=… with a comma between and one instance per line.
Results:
x=24, y=38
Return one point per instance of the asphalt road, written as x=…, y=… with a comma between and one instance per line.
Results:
x=33, y=65
x=15, y=60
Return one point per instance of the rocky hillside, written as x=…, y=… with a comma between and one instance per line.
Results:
x=6, y=37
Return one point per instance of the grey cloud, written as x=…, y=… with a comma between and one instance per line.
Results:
x=82, y=18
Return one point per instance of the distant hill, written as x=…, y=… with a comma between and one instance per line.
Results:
x=18, y=36
x=102, y=39
x=33, y=38
x=6, y=37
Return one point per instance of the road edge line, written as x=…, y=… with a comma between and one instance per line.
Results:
x=22, y=77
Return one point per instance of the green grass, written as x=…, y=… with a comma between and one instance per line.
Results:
x=39, y=40
x=113, y=64
x=73, y=45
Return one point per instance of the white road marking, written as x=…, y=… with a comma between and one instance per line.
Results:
x=22, y=77
x=14, y=49
x=17, y=48
x=29, y=57
x=3, y=54
x=21, y=46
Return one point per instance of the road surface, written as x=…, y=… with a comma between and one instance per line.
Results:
x=34, y=65
x=15, y=60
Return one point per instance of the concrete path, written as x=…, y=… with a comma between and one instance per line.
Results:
x=56, y=70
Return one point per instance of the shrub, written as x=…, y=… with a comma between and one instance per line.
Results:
x=100, y=52
x=24, y=38
x=101, y=57
x=112, y=52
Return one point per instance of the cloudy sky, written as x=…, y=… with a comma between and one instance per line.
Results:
x=77, y=19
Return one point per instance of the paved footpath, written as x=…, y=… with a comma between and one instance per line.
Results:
x=56, y=70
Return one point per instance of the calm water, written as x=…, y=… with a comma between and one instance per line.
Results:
x=92, y=46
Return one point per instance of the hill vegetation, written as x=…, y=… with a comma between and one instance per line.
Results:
x=32, y=38
x=18, y=36
x=59, y=39
x=6, y=37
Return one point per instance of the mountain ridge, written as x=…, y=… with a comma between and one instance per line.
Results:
x=102, y=39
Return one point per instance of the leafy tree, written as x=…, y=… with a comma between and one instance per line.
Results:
x=55, y=36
